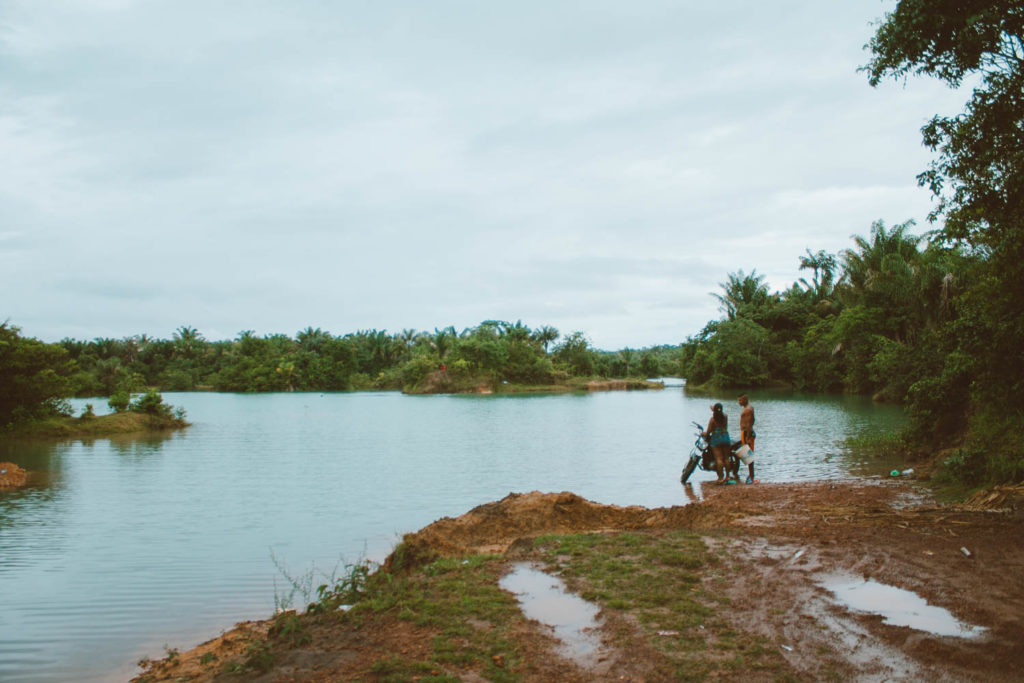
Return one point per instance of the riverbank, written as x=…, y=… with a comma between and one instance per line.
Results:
x=63, y=427
x=735, y=586
x=446, y=382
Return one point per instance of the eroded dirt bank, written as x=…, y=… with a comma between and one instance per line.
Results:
x=777, y=543
x=12, y=476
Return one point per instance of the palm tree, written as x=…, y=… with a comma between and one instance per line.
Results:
x=628, y=356
x=187, y=340
x=517, y=332
x=378, y=345
x=824, y=266
x=108, y=371
x=885, y=250
x=106, y=347
x=443, y=340
x=130, y=349
x=311, y=339
x=741, y=291
x=545, y=336
x=886, y=272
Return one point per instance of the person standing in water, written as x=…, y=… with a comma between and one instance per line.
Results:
x=717, y=435
x=747, y=434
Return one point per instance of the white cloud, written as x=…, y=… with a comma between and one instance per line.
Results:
x=270, y=166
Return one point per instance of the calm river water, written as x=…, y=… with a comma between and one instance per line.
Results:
x=120, y=547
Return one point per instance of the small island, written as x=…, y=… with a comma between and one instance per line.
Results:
x=68, y=427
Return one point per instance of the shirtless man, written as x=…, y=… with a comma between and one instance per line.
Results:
x=747, y=430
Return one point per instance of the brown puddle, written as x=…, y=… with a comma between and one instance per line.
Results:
x=574, y=620
x=898, y=607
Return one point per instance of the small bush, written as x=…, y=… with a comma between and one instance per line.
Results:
x=288, y=628
x=418, y=368
x=119, y=401
x=258, y=657
x=348, y=590
x=151, y=403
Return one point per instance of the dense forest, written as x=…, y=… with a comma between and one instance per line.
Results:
x=873, y=319
x=495, y=352
x=491, y=354
x=931, y=319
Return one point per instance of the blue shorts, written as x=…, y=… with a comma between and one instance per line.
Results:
x=719, y=437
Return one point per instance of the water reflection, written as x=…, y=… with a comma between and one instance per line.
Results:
x=141, y=445
x=692, y=493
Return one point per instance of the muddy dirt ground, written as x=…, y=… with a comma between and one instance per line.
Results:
x=12, y=476
x=780, y=544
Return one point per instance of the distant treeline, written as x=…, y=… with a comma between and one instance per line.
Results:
x=315, y=360
x=37, y=376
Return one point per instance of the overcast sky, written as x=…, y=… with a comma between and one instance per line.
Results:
x=595, y=166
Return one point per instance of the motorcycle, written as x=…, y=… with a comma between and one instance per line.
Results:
x=702, y=457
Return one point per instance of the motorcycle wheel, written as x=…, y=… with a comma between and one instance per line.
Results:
x=691, y=465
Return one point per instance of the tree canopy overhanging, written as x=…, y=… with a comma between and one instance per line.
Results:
x=977, y=179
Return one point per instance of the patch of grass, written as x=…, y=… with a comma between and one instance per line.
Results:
x=258, y=657
x=667, y=581
x=233, y=667
x=661, y=579
x=289, y=628
x=450, y=597
x=878, y=442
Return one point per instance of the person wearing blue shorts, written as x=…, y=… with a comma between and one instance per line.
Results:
x=717, y=435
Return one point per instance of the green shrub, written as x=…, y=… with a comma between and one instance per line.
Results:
x=151, y=403
x=119, y=401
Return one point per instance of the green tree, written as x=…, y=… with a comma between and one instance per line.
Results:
x=35, y=376
x=443, y=341
x=977, y=179
x=742, y=293
x=866, y=266
x=187, y=341
x=627, y=355
x=824, y=266
x=575, y=355
x=545, y=335
x=311, y=339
